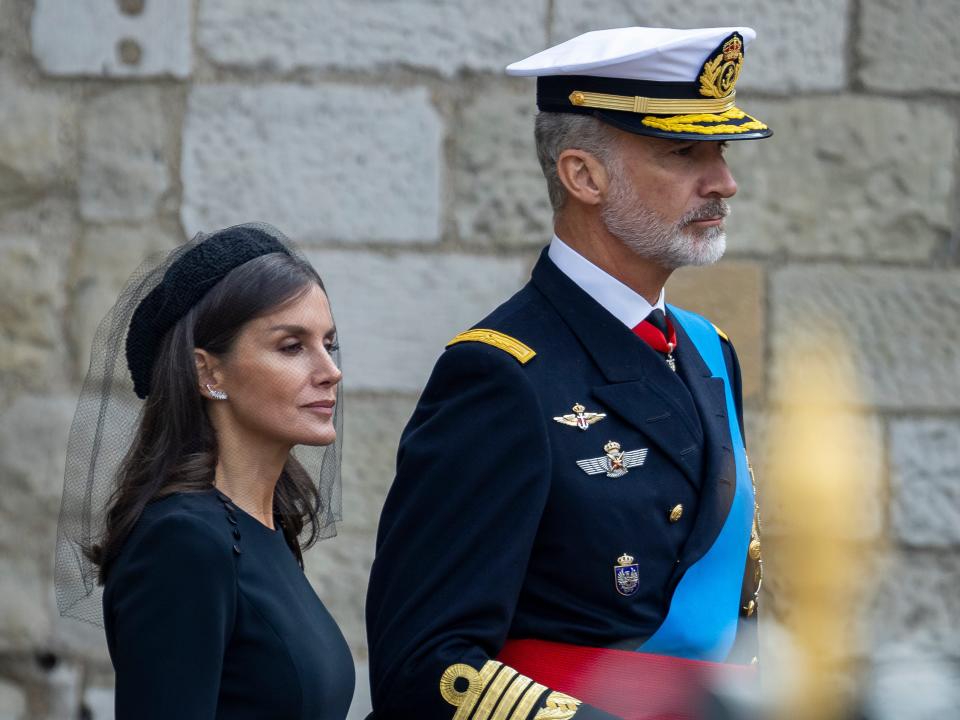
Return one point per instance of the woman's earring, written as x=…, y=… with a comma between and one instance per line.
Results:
x=216, y=394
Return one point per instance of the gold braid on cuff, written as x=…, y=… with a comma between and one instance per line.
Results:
x=498, y=692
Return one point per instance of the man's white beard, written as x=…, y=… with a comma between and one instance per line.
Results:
x=670, y=246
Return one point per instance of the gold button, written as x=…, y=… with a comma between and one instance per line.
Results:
x=750, y=608
x=676, y=513
x=754, y=549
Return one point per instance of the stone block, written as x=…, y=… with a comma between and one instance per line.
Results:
x=866, y=519
x=323, y=163
x=733, y=296
x=371, y=435
x=909, y=46
x=845, y=177
x=799, y=46
x=129, y=135
x=50, y=224
x=396, y=312
x=925, y=481
x=70, y=637
x=912, y=684
x=26, y=619
x=99, y=703
x=33, y=442
x=444, y=37
x=501, y=196
x=32, y=302
x=37, y=140
x=917, y=603
x=362, y=705
x=11, y=29
x=33, y=445
x=896, y=330
x=13, y=700
x=63, y=691
x=105, y=258
x=97, y=38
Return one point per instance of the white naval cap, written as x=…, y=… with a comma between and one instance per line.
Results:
x=651, y=81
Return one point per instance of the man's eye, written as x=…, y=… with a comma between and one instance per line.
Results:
x=683, y=151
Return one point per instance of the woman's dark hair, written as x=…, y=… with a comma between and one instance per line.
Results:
x=175, y=447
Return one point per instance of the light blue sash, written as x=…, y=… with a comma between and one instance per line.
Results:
x=702, y=621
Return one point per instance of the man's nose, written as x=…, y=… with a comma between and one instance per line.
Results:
x=719, y=181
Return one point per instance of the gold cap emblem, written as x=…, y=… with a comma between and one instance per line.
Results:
x=732, y=48
x=625, y=559
x=722, y=69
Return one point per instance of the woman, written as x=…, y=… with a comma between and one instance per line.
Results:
x=207, y=611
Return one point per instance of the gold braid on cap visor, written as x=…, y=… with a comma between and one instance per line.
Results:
x=651, y=106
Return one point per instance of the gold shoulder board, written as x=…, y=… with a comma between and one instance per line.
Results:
x=721, y=333
x=491, y=337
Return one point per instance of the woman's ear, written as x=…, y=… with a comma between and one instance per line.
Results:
x=583, y=176
x=208, y=369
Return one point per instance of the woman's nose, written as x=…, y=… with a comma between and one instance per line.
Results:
x=327, y=372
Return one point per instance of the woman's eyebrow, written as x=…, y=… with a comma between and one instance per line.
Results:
x=300, y=330
x=292, y=329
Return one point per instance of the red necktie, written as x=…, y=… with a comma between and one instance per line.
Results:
x=659, y=333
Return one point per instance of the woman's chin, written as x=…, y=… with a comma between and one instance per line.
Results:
x=326, y=436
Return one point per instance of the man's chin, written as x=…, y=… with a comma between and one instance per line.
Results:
x=705, y=248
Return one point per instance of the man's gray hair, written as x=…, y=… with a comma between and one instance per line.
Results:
x=555, y=132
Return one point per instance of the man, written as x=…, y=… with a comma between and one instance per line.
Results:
x=572, y=493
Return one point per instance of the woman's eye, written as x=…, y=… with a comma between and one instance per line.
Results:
x=292, y=348
x=333, y=347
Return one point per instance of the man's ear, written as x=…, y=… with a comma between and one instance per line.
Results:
x=583, y=176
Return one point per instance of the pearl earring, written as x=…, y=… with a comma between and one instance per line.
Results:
x=216, y=394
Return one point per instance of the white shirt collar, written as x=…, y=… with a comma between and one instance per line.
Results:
x=627, y=306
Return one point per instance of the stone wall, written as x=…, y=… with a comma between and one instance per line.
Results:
x=385, y=138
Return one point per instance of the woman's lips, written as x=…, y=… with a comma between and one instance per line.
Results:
x=321, y=407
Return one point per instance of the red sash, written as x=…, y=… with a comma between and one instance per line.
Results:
x=630, y=685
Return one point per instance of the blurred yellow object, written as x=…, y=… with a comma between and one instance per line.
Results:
x=815, y=485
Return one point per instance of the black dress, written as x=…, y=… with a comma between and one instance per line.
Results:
x=208, y=615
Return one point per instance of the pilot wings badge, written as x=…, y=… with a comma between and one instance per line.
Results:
x=615, y=463
x=580, y=418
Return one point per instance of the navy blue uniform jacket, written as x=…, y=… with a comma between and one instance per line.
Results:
x=491, y=531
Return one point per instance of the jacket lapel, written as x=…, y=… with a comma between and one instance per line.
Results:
x=719, y=468
x=638, y=381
